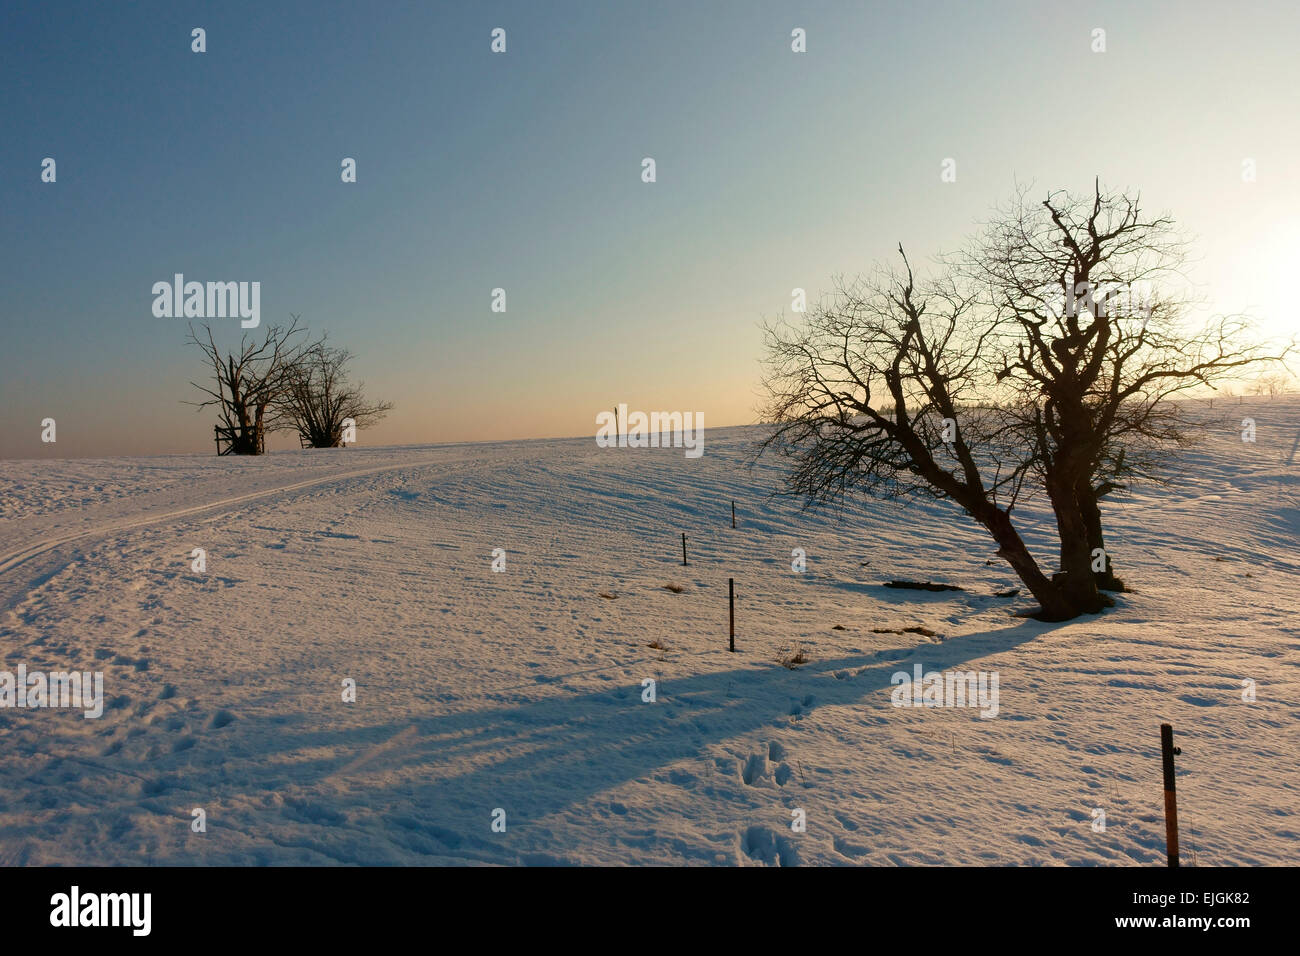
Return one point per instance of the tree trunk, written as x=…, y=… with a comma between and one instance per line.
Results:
x=1011, y=548
x=1076, y=579
x=259, y=439
x=245, y=442
x=1090, y=511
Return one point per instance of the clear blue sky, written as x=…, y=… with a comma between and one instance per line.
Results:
x=522, y=171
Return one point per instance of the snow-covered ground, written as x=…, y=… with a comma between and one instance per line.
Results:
x=523, y=690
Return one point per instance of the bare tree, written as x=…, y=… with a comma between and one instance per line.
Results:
x=1054, y=345
x=319, y=398
x=249, y=384
x=1272, y=384
x=1097, y=344
x=891, y=389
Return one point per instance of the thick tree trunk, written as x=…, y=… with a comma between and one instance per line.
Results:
x=245, y=441
x=1070, y=470
x=1076, y=578
x=1090, y=510
x=259, y=432
x=1011, y=547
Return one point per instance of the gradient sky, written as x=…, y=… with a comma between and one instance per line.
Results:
x=522, y=170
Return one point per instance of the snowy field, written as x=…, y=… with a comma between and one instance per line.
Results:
x=522, y=690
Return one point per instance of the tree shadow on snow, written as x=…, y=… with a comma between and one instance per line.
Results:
x=431, y=783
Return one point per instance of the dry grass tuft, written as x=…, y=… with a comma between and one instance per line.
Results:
x=791, y=661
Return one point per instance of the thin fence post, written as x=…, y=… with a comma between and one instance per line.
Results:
x=731, y=596
x=683, y=549
x=733, y=514
x=1167, y=752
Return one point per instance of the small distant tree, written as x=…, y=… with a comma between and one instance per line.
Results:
x=1272, y=385
x=319, y=397
x=249, y=384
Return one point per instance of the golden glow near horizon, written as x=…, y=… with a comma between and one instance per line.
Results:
x=774, y=169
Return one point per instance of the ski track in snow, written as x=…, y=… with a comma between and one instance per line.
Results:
x=523, y=690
